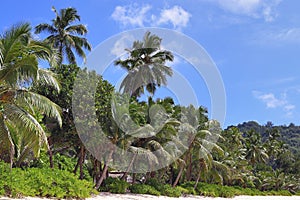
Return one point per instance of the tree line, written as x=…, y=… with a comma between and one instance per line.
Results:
x=37, y=125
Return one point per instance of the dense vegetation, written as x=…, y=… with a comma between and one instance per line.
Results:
x=41, y=153
x=290, y=134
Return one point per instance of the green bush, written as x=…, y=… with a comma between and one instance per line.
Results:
x=166, y=190
x=43, y=182
x=143, y=189
x=61, y=162
x=169, y=191
x=115, y=185
x=189, y=186
x=155, y=183
x=183, y=190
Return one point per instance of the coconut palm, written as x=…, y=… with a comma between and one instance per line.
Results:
x=146, y=66
x=256, y=152
x=64, y=36
x=21, y=108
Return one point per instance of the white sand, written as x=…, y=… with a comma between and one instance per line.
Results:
x=108, y=196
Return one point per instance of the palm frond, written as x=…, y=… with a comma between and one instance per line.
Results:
x=44, y=27
x=43, y=50
x=6, y=141
x=47, y=77
x=143, y=132
x=70, y=55
x=23, y=70
x=79, y=29
x=41, y=103
x=27, y=123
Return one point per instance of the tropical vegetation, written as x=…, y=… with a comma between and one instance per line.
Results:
x=42, y=154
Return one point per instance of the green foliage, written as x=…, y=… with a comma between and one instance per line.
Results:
x=115, y=185
x=289, y=134
x=229, y=192
x=65, y=35
x=170, y=191
x=189, y=186
x=43, y=182
x=143, y=189
x=165, y=189
x=155, y=183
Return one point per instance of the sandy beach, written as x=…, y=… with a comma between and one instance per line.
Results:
x=109, y=196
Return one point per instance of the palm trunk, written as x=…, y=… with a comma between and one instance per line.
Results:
x=133, y=178
x=22, y=156
x=197, y=181
x=77, y=164
x=178, y=176
x=82, y=155
x=105, y=170
x=11, y=156
x=189, y=168
x=129, y=166
x=50, y=153
x=171, y=175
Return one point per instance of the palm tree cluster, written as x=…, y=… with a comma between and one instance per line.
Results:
x=170, y=143
x=21, y=108
x=64, y=36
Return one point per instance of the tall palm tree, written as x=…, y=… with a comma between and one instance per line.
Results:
x=146, y=66
x=20, y=107
x=256, y=152
x=64, y=36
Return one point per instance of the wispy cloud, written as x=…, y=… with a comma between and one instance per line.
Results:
x=265, y=9
x=277, y=37
x=273, y=102
x=132, y=15
x=121, y=44
x=290, y=35
x=140, y=16
x=176, y=15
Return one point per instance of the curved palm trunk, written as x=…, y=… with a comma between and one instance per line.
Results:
x=171, y=175
x=21, y=158
x=50, y=153
x=178, y=176
x=197, y=181
x=11, y=156
x=80, y=160
x=129, y=166
x=189, y=168
x=105, y=170
x=82, y=155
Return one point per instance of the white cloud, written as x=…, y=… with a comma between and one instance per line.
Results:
x=139, y=16
x=253, y=8
x=272, y=101
x=131, y=15
x=120, y=45
x=177, y=16
x=291, y=35
x=240, y=6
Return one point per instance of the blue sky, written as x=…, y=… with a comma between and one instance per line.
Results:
x=254, y=43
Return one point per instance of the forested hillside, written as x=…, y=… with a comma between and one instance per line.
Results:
x=289, y=134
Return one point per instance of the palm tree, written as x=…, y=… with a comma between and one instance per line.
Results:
x=64, y=36
x=256, y=152
x=146, y=66
x=20, y=107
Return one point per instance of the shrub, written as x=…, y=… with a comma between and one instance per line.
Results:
x=189, y=186
x=183, y=190
x=143, y=189
x=43, y=182
x=61, y=162
x=155, y=183
x=115, y=185
x=169, y=191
